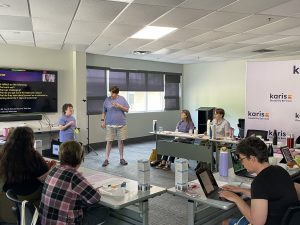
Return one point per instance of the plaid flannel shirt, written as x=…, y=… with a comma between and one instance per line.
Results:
x=65, y=193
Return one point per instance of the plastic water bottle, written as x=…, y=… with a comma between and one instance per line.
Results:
x=208, y=128
x=181, y=174
x=154, y=126
x=223, y=162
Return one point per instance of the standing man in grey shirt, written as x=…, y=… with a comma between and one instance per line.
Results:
x=114, y=120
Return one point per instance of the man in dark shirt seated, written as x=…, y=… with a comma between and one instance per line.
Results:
x=272, y=191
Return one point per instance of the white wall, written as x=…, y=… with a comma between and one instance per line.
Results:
x=37, y=58
x=139, y=124
x=218, y=84
x=71, y=67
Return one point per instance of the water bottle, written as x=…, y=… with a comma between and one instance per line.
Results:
x=275, y=138
x=208, y=128
x=154, y=126
x=213, y=131
x=181, y=174
x=223, y=162
x=143, y=175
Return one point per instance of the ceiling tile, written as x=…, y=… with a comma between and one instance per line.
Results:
x=236, y=38
x=250, y=22
x=104, y=43
x=17, y=8
x=206, y=4
x=285, y=40
x=138, y=14
x=206, y=46
x=184, y=34
x=160, y=2
x=277, y=26
x=156, y=45
x=22, y=43
x=49, y=45
x=262, y=39
x=210, y=36
x=49, y=37
x=87, y=27
x=252, y=6
x=47, y=9
x=293, y=31
x=121, y=30
x=252, y=48
x=180, y=17
x=15, y=23
x=50, y=25
x=99, y=10
x=290, y=8
x=216, y=20
x=22, y=36
x=1, y=40
x=82, y=39
x=183, y=45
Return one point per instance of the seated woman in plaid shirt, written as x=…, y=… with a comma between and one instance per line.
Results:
x=66, y=193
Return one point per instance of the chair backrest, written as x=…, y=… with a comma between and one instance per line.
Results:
x=291, y=216
x=262, y=133
x=17, y=209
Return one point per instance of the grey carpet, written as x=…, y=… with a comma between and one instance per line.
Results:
x=163, y=210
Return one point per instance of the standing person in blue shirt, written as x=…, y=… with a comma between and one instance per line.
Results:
x=185, y=125
x=67, y=124
x=114, y=120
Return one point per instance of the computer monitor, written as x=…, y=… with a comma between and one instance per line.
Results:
x=55, y=147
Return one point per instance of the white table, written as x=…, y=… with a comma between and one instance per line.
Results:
x=133, y=208
x=204, y=211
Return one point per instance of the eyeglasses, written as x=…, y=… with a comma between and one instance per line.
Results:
x=241, y=159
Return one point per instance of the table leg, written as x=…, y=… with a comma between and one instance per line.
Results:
x=145, y=212
x=191, y=212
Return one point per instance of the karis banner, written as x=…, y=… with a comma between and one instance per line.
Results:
x=273, y=97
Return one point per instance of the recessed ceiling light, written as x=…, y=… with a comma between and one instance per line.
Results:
x=4, y=5
x=153, y=32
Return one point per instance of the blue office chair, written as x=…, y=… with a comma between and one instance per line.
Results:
x=291, y=216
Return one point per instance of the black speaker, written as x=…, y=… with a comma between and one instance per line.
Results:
x=10, y=118
x=204, y=114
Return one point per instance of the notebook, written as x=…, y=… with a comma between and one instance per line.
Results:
x=238, y=167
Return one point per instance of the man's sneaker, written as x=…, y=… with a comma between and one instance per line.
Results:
x=123, y=162
x=105, y=163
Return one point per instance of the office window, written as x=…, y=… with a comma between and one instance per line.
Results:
x=172, y=91
x=118, y=78
x=96, y=90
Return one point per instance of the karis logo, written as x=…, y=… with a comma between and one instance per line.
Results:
x=295, y=70
x=280, y=134
x=281, y=97
x=297, y=116
x=258, y=115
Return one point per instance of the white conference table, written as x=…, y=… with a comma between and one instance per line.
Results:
x=204, y=211
x=133, y=207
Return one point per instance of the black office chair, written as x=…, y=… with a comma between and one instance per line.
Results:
x=262, y=133
x=291, y=216
x=17, y=209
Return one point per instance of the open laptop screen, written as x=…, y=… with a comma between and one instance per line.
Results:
x=236, y=163
x=207, y=180
x=55, y=147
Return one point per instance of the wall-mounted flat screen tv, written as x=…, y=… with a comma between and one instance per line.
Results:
x=28, y=91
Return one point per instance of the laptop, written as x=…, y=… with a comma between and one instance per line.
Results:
x=55, y=147
x=238, y=167
x=208, y=183
x=287, y=156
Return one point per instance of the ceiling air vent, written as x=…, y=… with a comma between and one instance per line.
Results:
x=138, y=52
x=264, y=50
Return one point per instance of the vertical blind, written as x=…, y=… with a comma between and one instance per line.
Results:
x=96, y=90
x=172, y=86
x=130, y=81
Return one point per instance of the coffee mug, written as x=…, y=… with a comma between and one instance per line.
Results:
x=5, y=132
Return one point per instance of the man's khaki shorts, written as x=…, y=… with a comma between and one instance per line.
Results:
x=116, y=133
